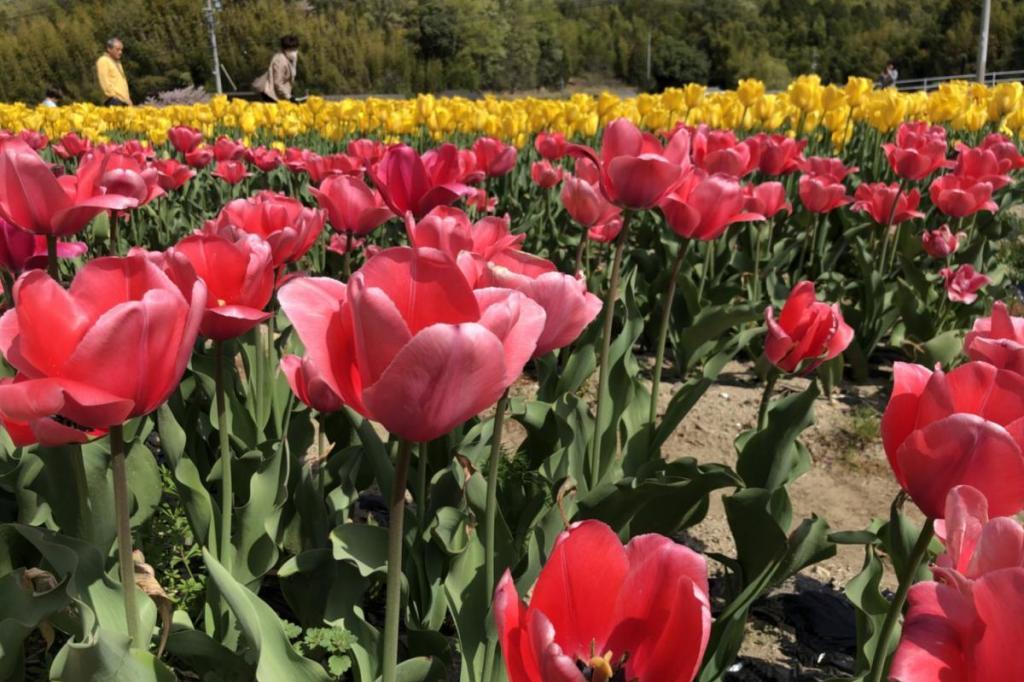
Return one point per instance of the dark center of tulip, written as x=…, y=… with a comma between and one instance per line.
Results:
x=60, y=419
x=600, y=669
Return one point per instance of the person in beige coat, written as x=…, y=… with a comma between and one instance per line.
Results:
x=276, y=84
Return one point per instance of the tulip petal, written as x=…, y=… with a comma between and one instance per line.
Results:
x=999, y=601
x=510, y=618
x=930, y=648
x=49, y=323
x=641, y=182
x=516, y=320
x=900, y=414
x=380, y=331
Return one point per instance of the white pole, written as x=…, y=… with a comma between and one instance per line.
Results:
x=986, y=16
x=213, y=45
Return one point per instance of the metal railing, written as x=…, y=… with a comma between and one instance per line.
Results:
x=933, y=82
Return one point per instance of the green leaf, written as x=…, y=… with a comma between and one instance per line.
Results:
x=362, y=545
x=21, y=612
x=772, y=457
x=421, y=669
x=276, y=659
x=108, y=657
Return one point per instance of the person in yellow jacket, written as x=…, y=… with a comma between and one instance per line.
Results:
x=110, y=73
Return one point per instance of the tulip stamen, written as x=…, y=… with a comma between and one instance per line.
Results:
x=60, y=419
x=600, y=669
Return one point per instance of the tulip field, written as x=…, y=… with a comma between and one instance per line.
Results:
x=382, y=372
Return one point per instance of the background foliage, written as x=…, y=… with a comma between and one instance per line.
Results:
x=404, y=46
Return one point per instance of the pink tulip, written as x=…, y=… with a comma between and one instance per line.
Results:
x=962, y=428
x=545, y=175
x=472, y=246
x=767, y=199
x=962, y=285
x=32, y=198
x=918, y=151
x=977, y=164
x=367, y=151
x=288, y=227
x=71, y=146
x=112, y=347
x=231, y=172
x=494, y=157
x=877, y=199
x=807, y=333
x=821, y=193
x=975, y=543
x=265, y=159
x=351, y=206
x=34, y=139
x=551, y=146
x=827, y=166
x=21, y=250
x=941, y=243
x=587, y=170
x=606, y=231
x=226, y=149
x=200, y=157
x=704, y=207
x=636, y=171
x=308, y=384
x=997, y=340
x=780, y=154
x=408, y=182
x=184, y=138
x=958, y=197
x=1010, y=158
x=585, y=203
x=409, y=344
x=238, y=273
x=319, y=168
x=171, y=174
x=344, y=243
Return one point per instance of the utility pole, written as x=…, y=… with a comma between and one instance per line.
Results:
x=212, y=27
x=986, y=16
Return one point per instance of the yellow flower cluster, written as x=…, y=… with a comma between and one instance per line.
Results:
x=804, y=106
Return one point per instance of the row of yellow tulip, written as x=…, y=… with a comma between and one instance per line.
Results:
x=806, y=104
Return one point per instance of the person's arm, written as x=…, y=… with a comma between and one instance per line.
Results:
x=281, y=77
x=108, y=77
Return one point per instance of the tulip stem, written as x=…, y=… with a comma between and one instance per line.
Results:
x=421, y=486
x=709, y=257
x=227, y=487
x=606, y=340
x=346, y=260
x=766, y=398
x=393, y=602
x=666, y=315
x=917, y=555
x=51, y=257
x=113, y=234
x=124, y=529
x=491, y=515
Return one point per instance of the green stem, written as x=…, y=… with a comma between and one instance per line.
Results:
x=766, y=397
x=709, y=256
x=490, y=517
x=113, y=234
x=227, y=487
x=421, y=487
x=51, y=257
x=393, y=604
x=579, y=253
x=666, y=315
x=606, y=341
x=917, y=555
x=124, y=529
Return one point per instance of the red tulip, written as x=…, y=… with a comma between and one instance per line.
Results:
x=545, y=175
x=479, y=200
x=827, y=166
x=977, y=164
x=1006, y=151
x=32, y=198
x=171, y=174
x=231, y=172
x=636, y=171
x=587, y=170
x=184, y=138
x=963, y=428
x=265, y=159
x=407, y=342
x=640, y=613
x=71, y=146
x=605, y=231
x=963, y=284
x=997, y=340
x=351, y=206
x=494, y=157
x=110, y=348
x=703, y=208
x=287, y=226
x=877, y=199
x=807, y=333
x=780, y=154
x=308, y=384
x=585, y=203
x=569, y=307
x=320, y=168
x=767, y=199
x=34, y=139
x=367, y=151
x=958, y=197
x=718, y=151
x=21, y=250
x=470, y=245
x=705, y=141
x=201, y=157
x=407, y=184
x=821, y=193
x=551, y=146
x=239, y=275
x=941, y=243
x=918, y=151
x=226, y=149
x=342, y=244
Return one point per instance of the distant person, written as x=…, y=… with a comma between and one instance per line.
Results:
x=889, y=76
x=53, y=98
x=110, y=73
x=276, y=84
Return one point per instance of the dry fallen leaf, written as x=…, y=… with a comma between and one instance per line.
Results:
x=145, y=578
